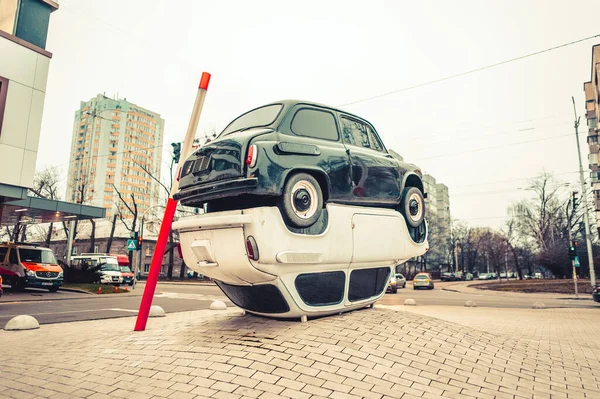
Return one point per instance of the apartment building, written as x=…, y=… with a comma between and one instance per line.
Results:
x=592, y=108
x=116, y=149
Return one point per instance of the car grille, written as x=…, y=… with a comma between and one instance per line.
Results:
x=115, y=278
x=46, y=274
x=201, y=164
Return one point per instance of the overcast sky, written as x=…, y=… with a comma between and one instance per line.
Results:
x=336, y=52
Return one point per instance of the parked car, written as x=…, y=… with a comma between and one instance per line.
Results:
x=392, y=285
x=300, y=156
x=486, y=276
x=596, y=293
x=108, y=266
x=468, y=277
x=423, y=280
x=396, y=281
x=400, y=280
x=127, y=275
x=29, y=265
x=451, y=276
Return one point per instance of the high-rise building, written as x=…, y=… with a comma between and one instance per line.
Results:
x=592, y=107
x=116, y=149
x=437, y=205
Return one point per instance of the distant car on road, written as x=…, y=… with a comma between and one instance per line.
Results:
x=127, y=275
x=596, y=293
x=396, y=281
x=423, y=280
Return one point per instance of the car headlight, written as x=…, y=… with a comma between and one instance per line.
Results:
x=61, y=274
x=30, y=273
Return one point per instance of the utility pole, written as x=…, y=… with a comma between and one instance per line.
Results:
x=569, y=217
x=586, y=220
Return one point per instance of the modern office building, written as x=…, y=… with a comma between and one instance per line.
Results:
x=116, y=149
x=24, y=63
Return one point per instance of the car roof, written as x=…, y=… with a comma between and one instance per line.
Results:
x=292, y=102
x=22, y=245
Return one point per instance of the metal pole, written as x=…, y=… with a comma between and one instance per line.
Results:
x=70, y=242
x=586, y=220
x=165, y=227
x=140, y=253
x=569, y=217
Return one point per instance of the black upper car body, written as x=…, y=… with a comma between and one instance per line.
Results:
x=300, y=156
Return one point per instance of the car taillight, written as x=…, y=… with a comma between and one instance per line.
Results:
x=252, y=155
x=251, y=248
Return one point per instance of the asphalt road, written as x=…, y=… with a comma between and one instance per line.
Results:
x=65, y=306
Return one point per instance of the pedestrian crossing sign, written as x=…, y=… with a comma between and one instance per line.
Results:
x=132, y=245
x=576, y=261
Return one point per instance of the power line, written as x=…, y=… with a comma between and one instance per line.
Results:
x=493, y=147
x=471, y=71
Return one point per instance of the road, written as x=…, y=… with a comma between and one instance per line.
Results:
x=65, y=306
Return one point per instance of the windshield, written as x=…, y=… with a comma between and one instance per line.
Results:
x=37, y=256
x=262, y=116
x=125, y=269
x=422, y=277
x=109, y=264
x=109, y=268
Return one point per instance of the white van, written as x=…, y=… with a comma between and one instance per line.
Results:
x=110, y=273
x=267, y=269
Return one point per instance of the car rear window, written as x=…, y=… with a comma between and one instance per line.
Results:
x=421, y=277
x=258, y=117
x=37, y=256
x=315, y=123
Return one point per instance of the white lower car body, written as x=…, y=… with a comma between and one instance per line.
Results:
x=355, y=239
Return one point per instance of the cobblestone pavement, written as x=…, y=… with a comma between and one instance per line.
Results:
x=372, y=353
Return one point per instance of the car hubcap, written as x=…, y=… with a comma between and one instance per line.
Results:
x=302, y=199
x=415, y=210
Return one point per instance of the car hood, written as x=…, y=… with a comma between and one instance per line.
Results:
x=42, y=267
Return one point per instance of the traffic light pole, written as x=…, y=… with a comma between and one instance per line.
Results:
x=586, y=219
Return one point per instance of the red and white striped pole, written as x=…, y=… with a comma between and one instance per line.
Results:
x=165, y=228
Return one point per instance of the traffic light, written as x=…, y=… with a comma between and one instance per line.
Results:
x=573, y=250
x=139, y=242
x=575, y=200
x=176, y=151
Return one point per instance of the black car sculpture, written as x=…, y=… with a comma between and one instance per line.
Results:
x=300, y=156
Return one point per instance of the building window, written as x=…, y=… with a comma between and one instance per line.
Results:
x=3, y=92
x=74, y=251
x=8, y=15
x=147, y=268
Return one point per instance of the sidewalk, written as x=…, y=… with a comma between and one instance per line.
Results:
x=463, y=288
x=371, y=353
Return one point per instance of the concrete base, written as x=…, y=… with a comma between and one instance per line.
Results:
x=156, y=311
x=22, y=322
x=410, y=302
x=218, y=305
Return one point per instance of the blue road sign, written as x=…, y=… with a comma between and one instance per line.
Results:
x=576, y=261
x=132, y=245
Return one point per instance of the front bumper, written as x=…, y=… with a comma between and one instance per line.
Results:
x=41, y=283
x=196, y=195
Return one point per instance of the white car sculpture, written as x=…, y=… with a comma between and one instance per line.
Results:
x=266, y=269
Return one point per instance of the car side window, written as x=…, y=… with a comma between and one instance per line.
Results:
x=12, y=257
x=315, y=123
x=375, y=143
x=355, y=133
x=3, y=252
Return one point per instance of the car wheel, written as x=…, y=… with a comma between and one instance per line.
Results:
x=414, y=288
x=404, y=285
x=17, y=284
x=395, y=291
x=412, y=206
x=302, y=200
x=53, y=289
